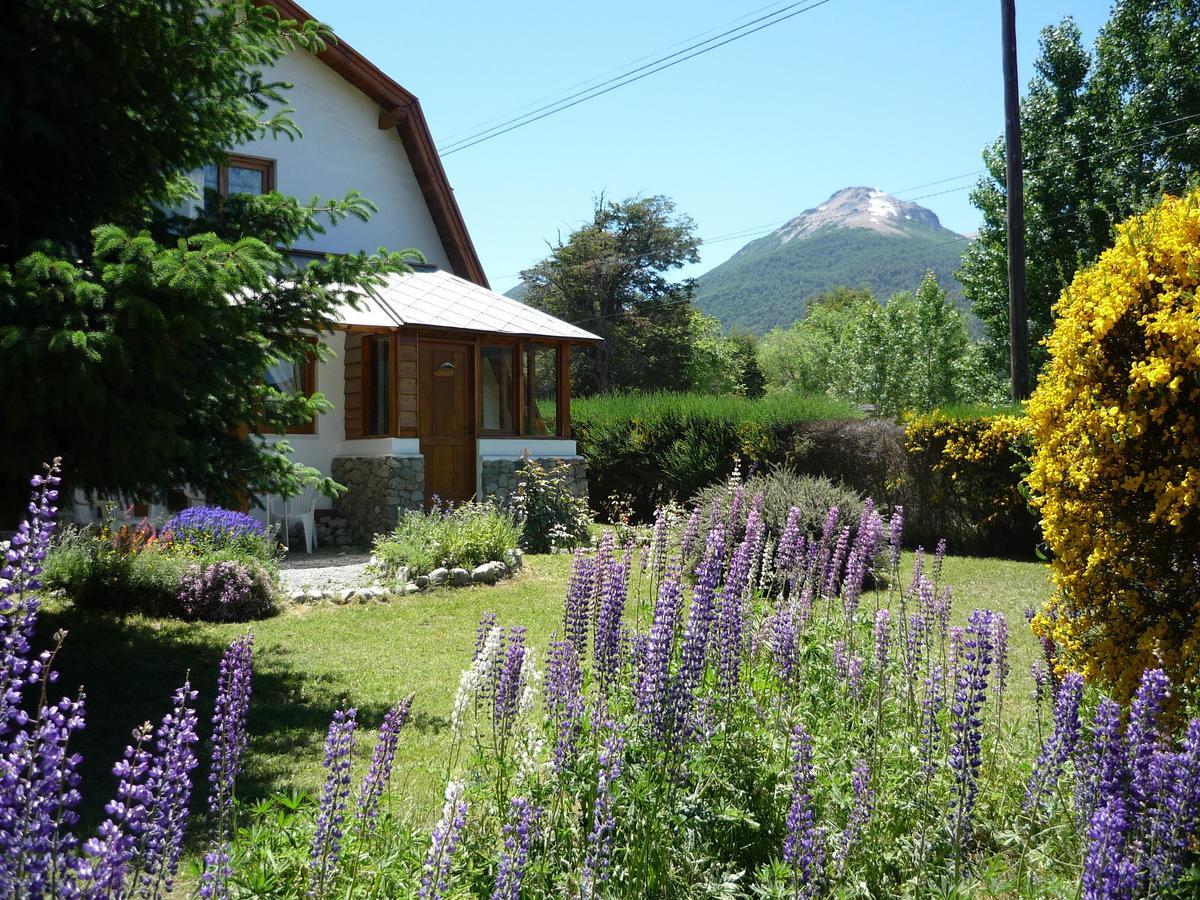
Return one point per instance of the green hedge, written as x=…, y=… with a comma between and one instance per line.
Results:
x=657, y=448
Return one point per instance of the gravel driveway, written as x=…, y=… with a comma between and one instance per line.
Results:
x=325, y=570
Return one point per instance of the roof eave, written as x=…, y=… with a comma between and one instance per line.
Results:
x=401, y=109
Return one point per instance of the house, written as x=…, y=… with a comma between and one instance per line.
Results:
x=438, y=384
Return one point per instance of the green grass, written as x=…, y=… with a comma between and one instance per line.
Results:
x=773, y=409
x=310, y=659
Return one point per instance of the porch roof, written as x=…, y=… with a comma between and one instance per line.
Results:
x=436, y=299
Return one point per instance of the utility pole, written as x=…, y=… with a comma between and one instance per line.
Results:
x=1018, y=326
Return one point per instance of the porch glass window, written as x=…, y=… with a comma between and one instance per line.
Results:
x=243, y=175
x=378, y=379
x=497, y=388
x=541, y=389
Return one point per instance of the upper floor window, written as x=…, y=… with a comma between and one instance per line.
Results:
x=242, y=175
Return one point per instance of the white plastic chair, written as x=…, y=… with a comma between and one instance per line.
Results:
x=302, y=509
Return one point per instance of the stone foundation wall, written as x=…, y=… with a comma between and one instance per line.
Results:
x=378, y=489
x=500, y=475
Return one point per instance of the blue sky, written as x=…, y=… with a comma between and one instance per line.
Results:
x=883, y=93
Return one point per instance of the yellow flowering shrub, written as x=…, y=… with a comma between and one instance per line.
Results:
x=1116, y=469
x=975, y=466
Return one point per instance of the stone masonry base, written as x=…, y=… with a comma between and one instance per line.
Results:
x=378, y=489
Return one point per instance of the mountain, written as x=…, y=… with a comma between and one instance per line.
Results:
x=859, y=237
x=518, y=291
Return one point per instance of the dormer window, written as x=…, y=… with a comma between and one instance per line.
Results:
x=241, y=175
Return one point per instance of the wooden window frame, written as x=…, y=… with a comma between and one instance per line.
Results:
x=240, y=161
x=368, y=384
x=562, y=388
x=513, y=349
x=308, y=379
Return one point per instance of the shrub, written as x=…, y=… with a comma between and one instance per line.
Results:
x=655, y=448
x=465, y=536
x=781, y=489
x=205, y=528
x=965, y=480
x=1116, y=471
x=95, y=574
x=550, y=514
x=226, y=591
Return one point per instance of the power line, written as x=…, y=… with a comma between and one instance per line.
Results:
x=759, y=230
x=644, y=71
x=520, y=111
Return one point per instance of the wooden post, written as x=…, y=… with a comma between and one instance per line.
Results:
x=564, y=389
x=1018, y=327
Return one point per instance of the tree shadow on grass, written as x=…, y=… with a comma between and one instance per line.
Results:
x=129, y=667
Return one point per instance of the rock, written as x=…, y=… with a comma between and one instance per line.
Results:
x=314, y=595
x=346, y=595
x=439, y=575
x=515, y=558
x=298, y=597
x=411, y=588
x=422, y=582
x=460, y=577
x=402, y=575
x=486, y=574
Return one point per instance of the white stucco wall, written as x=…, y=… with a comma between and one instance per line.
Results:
x=342, y=149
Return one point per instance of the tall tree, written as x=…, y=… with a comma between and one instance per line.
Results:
x=611, y=277
x=1105, y=134
x=131, y=342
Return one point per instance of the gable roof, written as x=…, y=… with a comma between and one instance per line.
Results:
x=401, y=110
x=436, y=299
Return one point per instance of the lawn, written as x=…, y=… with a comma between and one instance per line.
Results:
x=310, y=659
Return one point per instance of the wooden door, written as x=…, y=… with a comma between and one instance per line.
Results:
x=446, y=383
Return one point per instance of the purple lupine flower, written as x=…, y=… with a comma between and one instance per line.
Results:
x=519, y=832
x=608, y=622
x=869, y=537
x=605, y=555
x=658, y=544
x=854, y=677
x=597, y=861
x=999, y=653
x=818, y=555
x=804, y=846
x=785, y=557
x=1144, y=743
x=834, y=570
x=895, y=538
x=1041, y=681
x=577, y=614
x=1061, y=744
x=37, y=805
x=918, y=571
x=883, y=642
x=861, y=807
x=841, y=665
x=229, y=747
x=957, y=653
x=852, y=585
x=482, y=630
x=696, y=633
x=564, y=700
x=331, y=815
x=652, y=690
x=970, y=697
x=783, y=640
x=734, y=532
x=1178, y=818
x=635, y=644
x=1107, y=873
x=510, y=681
x=691, y=532
x=102, y=871
x=382, y=759
x=939, y=557
x=914, y=646
x=435, y=877
x=931, y=707
x=1102, y=766
x=732, y=613
x=169, y=789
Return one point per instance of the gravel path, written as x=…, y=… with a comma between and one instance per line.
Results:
x=324, y=570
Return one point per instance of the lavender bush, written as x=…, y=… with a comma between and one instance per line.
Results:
x=226, y=591
x=207, y=528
